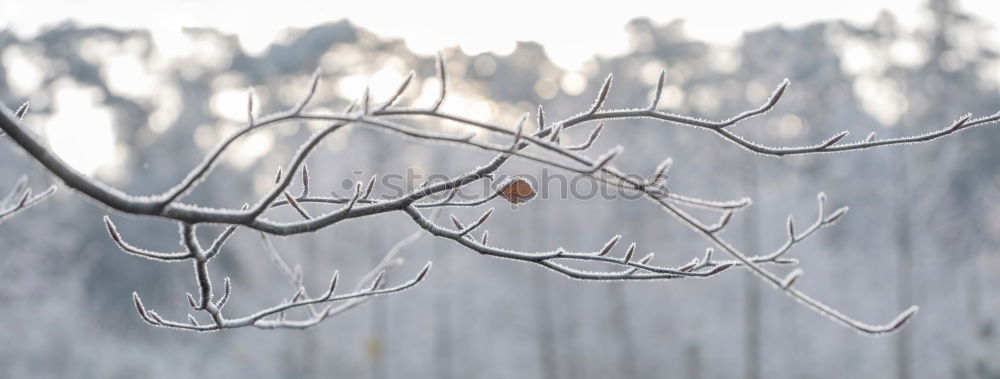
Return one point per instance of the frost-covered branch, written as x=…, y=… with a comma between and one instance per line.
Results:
x=543, y=146
x=316, y=308
x=21, y=196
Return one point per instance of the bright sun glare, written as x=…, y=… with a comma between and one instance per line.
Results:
x=81, y=130
x=571, y=31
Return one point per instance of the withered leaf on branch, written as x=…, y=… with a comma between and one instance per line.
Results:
x=518, y=191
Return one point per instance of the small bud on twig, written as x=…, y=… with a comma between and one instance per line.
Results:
x=604, y=159
x=305, y=180
x=602, y=95
x=313, y=85
x=423, y=272
x=836, y=215
x=609, y=245
x=330, y=288
x=629, y=252
x=442, y=76
x=399, y=92
x=834, y=139
x=365, y=100
x=590, y=139
x=22, y=110
x=661, y=171
x=378, y=281
x=541, y=117
x=250, y=119
x=791, y=278
x=369, y=187
x=227, y=288
x=658, y=91
x=960, y=122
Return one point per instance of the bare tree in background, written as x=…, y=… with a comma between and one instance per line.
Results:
x=541, y=145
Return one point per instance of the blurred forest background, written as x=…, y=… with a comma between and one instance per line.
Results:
x=923, y=229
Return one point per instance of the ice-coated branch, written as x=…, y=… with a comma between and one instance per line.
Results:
x=541, y=146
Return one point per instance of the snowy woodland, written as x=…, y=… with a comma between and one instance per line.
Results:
x=923, y=226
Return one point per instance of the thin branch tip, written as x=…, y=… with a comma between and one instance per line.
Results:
x=833, y=140
x=836, y=215
x=423, y=272
x=791, y=278
x=541, y=117
x=443, y=78
x=609, y=245
x=629, y=252
x=658, y=91
x=602, y=95
x=22, y=110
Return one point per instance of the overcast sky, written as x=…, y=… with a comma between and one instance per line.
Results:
x=570, y=31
